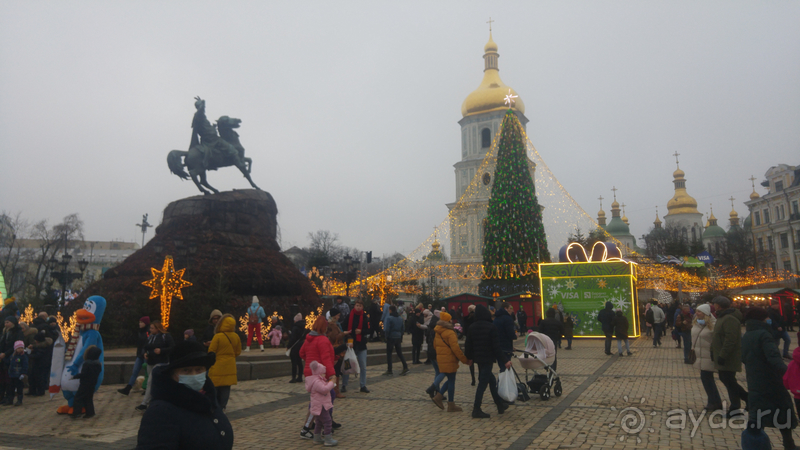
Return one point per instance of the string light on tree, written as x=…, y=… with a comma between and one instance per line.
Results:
x=166, y=284
x=66, y=326
x=27, y=315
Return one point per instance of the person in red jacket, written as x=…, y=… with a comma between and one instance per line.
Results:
x=317, y=347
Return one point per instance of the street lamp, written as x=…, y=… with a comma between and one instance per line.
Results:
x=64, y=276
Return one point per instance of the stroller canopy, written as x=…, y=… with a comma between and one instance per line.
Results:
x=540, y=345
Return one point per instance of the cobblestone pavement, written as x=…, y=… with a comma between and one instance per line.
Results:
x=608, y=402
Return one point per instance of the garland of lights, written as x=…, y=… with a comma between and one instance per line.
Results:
x=265, y=327
x=27, y=315
x=166, y=284
x=66, y=326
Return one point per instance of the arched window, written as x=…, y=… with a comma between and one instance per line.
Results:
x=486, y=138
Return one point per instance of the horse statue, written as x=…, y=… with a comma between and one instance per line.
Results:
x=209, y=151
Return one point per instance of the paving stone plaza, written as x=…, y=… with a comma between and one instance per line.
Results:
x=608, y=402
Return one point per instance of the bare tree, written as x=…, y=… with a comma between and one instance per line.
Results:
x=13, y=257
x=51, y=240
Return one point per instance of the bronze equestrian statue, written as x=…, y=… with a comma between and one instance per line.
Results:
x=209, y=151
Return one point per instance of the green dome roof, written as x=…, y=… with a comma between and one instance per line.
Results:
x=617, y=227
x=713, y=231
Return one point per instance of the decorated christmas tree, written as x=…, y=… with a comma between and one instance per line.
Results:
x=514, y=237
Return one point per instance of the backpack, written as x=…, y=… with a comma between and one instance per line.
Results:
x=650, y=317
x=252, y=316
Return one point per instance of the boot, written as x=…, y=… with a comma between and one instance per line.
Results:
x=126, y=390
x=430, y=391
x=262, y=347
x=451, y=407
x=317, y=438
x=438, y=400
x=247, y=349
x=501, y=407
x=337, y=391
x=405, y=371
x=329, y=441
x=478, y=414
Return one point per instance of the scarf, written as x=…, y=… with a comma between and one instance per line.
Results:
x=76, y=334
x=360, y=324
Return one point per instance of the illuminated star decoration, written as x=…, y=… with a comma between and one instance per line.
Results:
x=571, y=284
x=509, y=100
x=601, y=283
x=166, y=283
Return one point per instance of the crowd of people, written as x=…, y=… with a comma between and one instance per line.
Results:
x=187, y=384
x=26, y=351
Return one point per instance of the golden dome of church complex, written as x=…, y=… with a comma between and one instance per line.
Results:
x=491, y=94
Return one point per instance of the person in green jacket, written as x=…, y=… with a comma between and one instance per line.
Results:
x=770, y=404
x=726, y=348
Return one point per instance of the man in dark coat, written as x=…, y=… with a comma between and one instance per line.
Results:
x=184, y=412
x=769, y=403
x=552, y=328
x=726, y=346
x=522, y=320
x=483, y=348
x=505, y=328
x=779, y=328
x=606, y=319
x=621, y=332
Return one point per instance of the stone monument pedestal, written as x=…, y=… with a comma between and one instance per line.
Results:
x=226, y=242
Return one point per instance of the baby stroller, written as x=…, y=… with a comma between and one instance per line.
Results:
x=539, y=354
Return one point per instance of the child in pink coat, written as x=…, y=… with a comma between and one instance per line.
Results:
x=321, y=404
x=791, y=379
x=275, y=336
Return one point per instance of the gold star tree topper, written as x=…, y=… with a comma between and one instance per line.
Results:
x=166, y=283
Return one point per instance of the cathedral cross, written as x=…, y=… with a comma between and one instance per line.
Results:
x=676, y=154
x=490, y=24
x=615, y=192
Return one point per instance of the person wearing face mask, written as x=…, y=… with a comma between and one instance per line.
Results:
x=184, y=412
x=702, y=335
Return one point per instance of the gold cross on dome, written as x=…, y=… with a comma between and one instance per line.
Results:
x=676, y=154
x=601, y=201
x=490, y=24
x=731, y=199
x=614, y=188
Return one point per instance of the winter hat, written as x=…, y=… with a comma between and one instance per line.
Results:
x=255, y=299
x=13, y=320
x=189, y=332
x=317, y=368
x=145, y=320
x=334, y=312
x=436, y=312
x=9, y=300
x=754, y=314
x=188, y=353
x=444, y=316
x=426, y=312
x=278, y=327
x=723, y=302
x=52, y=319
x=215, y=312
x=92, y=353
x=471, y=308
x=19, y=344
x=298, y=317
x=705, y=309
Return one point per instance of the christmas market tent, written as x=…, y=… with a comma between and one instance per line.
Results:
x=787, y=299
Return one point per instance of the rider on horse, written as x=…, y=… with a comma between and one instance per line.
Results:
x=205, y=138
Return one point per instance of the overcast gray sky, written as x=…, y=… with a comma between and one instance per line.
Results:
x=350, y=109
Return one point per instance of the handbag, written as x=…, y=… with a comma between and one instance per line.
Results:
x=692, y=353
x=289, y=350
x=507, y=386
x=350, y=363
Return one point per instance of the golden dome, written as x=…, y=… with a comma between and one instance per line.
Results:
x=491, y=93
x=625, y=219
x=734, y=214
x=754, y=195
x=657, y=221
x=601, y=213
x=681, y=202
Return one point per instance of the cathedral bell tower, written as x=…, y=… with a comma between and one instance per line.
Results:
x=482, y=112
